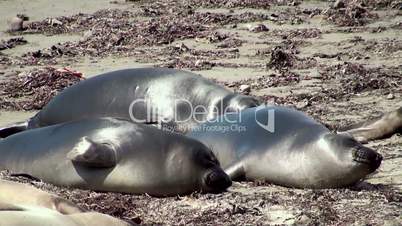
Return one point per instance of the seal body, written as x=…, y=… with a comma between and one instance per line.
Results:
x=22, y=194
x=21, y=204
x=28, y=215
x=107, y=154
x=23, y=215
x=143, y=95
x=285, y=147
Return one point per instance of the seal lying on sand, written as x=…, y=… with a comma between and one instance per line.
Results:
x=17, y=193
x=21, y=204
x=27, y=215
x=285, y=147
x=145, y=95
x=108, y=154
x=378, y=128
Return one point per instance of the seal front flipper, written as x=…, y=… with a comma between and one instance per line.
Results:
x=92, y=154
x=236, y=171
x=12, y=129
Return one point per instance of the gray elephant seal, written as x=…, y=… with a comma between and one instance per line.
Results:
x=285, y=147
x=377, y=128
x=143, y=95
x=108, y=154
x=18, y=193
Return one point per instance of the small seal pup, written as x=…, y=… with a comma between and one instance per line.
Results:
x=377, y=128
x=143, y=95
x=285, y=147
x=108, y=154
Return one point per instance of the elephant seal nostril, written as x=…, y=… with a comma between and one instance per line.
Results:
x=367, y=156
x=218, y=181
x=376, y=163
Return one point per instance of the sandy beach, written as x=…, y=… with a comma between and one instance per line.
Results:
x=338, y=65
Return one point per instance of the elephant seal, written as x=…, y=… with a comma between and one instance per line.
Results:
x=163, y=96
x=25, y=215
x=285, y=147
x=33, y=205
x=18, y=193
x=108, y=154
x=377, y=128
x=97, y=219
x=28, y=215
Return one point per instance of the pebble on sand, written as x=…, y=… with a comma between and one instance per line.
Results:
x=258, y=28
x=16, y=24
x=390, y=96
x=245, y=89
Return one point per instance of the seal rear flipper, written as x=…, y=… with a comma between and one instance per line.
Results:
x=64, y=206
x=377, y=128
x=236, y=171
x=12, y=129
x=92, y=154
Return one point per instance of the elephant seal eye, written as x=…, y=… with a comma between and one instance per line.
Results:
x=208, y=159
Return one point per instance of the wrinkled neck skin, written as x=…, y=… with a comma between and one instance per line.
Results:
x=183, y=100
x=233, y=103
x=214, y=102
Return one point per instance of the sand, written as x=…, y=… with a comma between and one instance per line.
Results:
x=337, y=74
